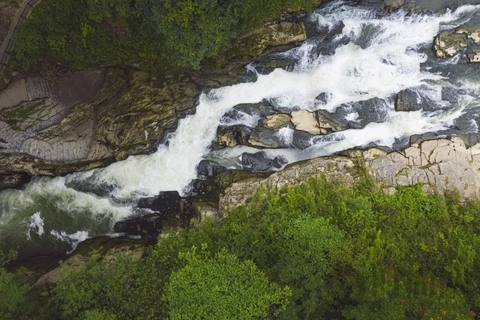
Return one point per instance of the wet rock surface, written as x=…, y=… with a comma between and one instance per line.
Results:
x=86, y=120
x=167, y=206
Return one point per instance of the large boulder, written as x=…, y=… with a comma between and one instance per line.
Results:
x=448, y=44
x=302, y=139
x=472, y=32
x=260, y=162
x=304, y=120
x=276, y=121
x=412, y=100
x=267, y=138
x=230, y=136
x=407, y=100
x=473, y=53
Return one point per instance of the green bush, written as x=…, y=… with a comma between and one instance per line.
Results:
x=150, y=33
x=342, y=252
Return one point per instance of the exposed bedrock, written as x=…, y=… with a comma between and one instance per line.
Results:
x=86, y=120
x=445, y=164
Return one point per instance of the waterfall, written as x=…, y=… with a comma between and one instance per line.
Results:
x=372, y=60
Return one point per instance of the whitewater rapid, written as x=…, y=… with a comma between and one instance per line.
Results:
x=373, y=58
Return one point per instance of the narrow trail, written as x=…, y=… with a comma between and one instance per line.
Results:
x=7, y=45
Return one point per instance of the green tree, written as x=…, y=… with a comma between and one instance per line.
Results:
x=13, y=294
x=192, y=30
x=222, y=287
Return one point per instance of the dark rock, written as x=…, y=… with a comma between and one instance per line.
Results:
x=145, y=226
x=279, y=162
x=368, y=32
x=302, y=139
x=267, y=65
x=266, y=138
x=261, y=109
x=13, y=180
x=329, y=47
x=412, y=100
x=408, y=100
x=167, y=203
x=470, y=139
x=91, y=185
x=400, y=143
x=467, y=123
x=328, y=124
x=207, y=169
x=214, y=76
x=278, y=108
x=258, y=162
x=323, y=97
x=372, y=110
x=234, y=116
x=419, y=138
x=335, y=119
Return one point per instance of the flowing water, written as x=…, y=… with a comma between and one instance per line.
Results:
x=370, y=58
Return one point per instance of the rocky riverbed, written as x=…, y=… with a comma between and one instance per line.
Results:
x=83, y=120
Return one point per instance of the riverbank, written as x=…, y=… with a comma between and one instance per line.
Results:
x=370, y=103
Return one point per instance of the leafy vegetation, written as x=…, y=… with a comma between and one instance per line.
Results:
x=149, y=33
x=316, y=251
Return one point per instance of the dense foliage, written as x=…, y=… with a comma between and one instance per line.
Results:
x=316, y=251
x=148, y=33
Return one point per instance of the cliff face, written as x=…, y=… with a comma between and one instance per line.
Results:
x=439, y=164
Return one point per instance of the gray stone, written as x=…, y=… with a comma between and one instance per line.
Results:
x=266, y=138
x=301, y=139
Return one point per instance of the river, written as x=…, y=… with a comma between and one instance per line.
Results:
x=373, y=58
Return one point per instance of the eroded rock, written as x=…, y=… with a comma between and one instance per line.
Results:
x=230, y=136
x=266, y=138
x=306, y=121
x=84, y=121
x=448, y=44
x=472, y=32
x=276, y=121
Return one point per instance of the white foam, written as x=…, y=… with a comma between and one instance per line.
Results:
x=73, y=239
x=36, y=225
x=388, y=64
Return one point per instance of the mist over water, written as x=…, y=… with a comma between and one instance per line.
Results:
x=371, y=58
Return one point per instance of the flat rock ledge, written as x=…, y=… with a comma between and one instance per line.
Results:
x=440, y=164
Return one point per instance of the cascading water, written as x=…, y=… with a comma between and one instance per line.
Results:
x=372, y=59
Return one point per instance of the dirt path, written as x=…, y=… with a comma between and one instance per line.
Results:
x=7, y=45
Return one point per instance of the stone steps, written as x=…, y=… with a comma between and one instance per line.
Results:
x=38, y=88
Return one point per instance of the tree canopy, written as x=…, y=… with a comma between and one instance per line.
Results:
x=146, y=33
x=320, y=250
